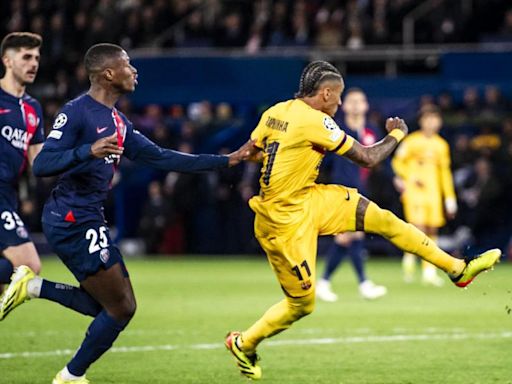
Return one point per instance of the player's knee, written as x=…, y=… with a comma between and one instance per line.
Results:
x=129, y=308
x=124, y=311
x=302, y=306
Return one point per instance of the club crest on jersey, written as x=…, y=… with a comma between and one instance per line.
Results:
x=331, y=125
x=22, y=232
x=305, y=285
x=104, y=255
x=18, y=138
x=32, y=120
x=111, y=159
x=60, y=121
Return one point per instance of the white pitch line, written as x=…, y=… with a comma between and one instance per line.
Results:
x=275, y=343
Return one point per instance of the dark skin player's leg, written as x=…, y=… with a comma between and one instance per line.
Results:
x=113, y=291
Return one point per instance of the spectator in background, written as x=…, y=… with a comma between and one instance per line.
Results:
x=231, y=32
x=450, y=115
x=485, y=196
x=152, y=116
x=495, y=107
x=278, y=33
x=300, y=29
x=471, y=103
x=329, y=27
x=486, y=142
x=79, y=82
x=157, y=213
x=506, y=29
x=463, y=155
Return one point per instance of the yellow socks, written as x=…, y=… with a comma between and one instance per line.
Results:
x=278, y=318
x=410, y=239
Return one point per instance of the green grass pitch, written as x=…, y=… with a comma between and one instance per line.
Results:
x=413, y=335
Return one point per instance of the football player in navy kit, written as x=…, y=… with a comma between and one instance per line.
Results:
x=84, y=148
x=21, y=138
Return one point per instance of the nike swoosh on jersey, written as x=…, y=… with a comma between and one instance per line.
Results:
x=348, y=196
x=100, y=130
x=3, y=111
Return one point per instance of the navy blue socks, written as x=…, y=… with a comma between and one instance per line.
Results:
x=337, y=253
x=100, y=336
x=71, y=297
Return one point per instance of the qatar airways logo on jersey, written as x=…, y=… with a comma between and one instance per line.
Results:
x=19, y=138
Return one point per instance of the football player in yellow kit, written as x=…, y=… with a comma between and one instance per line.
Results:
x=423, y=176
x=292, y=210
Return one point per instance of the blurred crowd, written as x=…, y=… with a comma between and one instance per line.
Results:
x=70, y=27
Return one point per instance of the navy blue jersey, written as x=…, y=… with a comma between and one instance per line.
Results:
x=344, y=171
x=85, y=180
x=21, y=125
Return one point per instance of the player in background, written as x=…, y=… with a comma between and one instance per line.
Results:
x=355, y=107
x=292, y=210
x=424, y=179
x=21, y=138
x=84, y=147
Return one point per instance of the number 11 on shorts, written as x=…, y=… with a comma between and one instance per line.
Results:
x=297, y=271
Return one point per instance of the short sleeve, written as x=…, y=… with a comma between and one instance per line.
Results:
x=325, y=133
x=64, y=129
x=258, y=133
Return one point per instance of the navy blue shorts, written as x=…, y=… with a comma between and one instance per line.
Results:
x=12, y=230
x=84, y=248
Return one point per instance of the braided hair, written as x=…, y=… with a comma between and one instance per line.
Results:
x=313, y=75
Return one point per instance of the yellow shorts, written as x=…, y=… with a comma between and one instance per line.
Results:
x=329, y=209
x=424, y=212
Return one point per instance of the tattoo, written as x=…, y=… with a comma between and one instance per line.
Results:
x=362, y=206
x=373, y=154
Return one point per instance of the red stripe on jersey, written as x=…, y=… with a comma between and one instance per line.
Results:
x=30, y=118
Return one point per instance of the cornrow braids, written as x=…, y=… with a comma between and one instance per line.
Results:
x=313, y=75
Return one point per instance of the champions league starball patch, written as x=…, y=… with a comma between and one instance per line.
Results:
x=104, y=255
x=60, y=121
x=331, y=126
x=22, y=232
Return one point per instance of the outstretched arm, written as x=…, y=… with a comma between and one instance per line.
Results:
x=250, y=152
x=372, y=155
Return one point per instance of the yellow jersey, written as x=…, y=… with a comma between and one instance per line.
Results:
x=424, y=164
x=294, y=138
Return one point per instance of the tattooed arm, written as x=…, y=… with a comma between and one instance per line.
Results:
x=372, y=155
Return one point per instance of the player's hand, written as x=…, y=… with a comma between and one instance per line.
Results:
x=396, y=123
x=450, y=208
x=245, y=152
x=399, y=184
x=344, y=239
x=106, y=146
